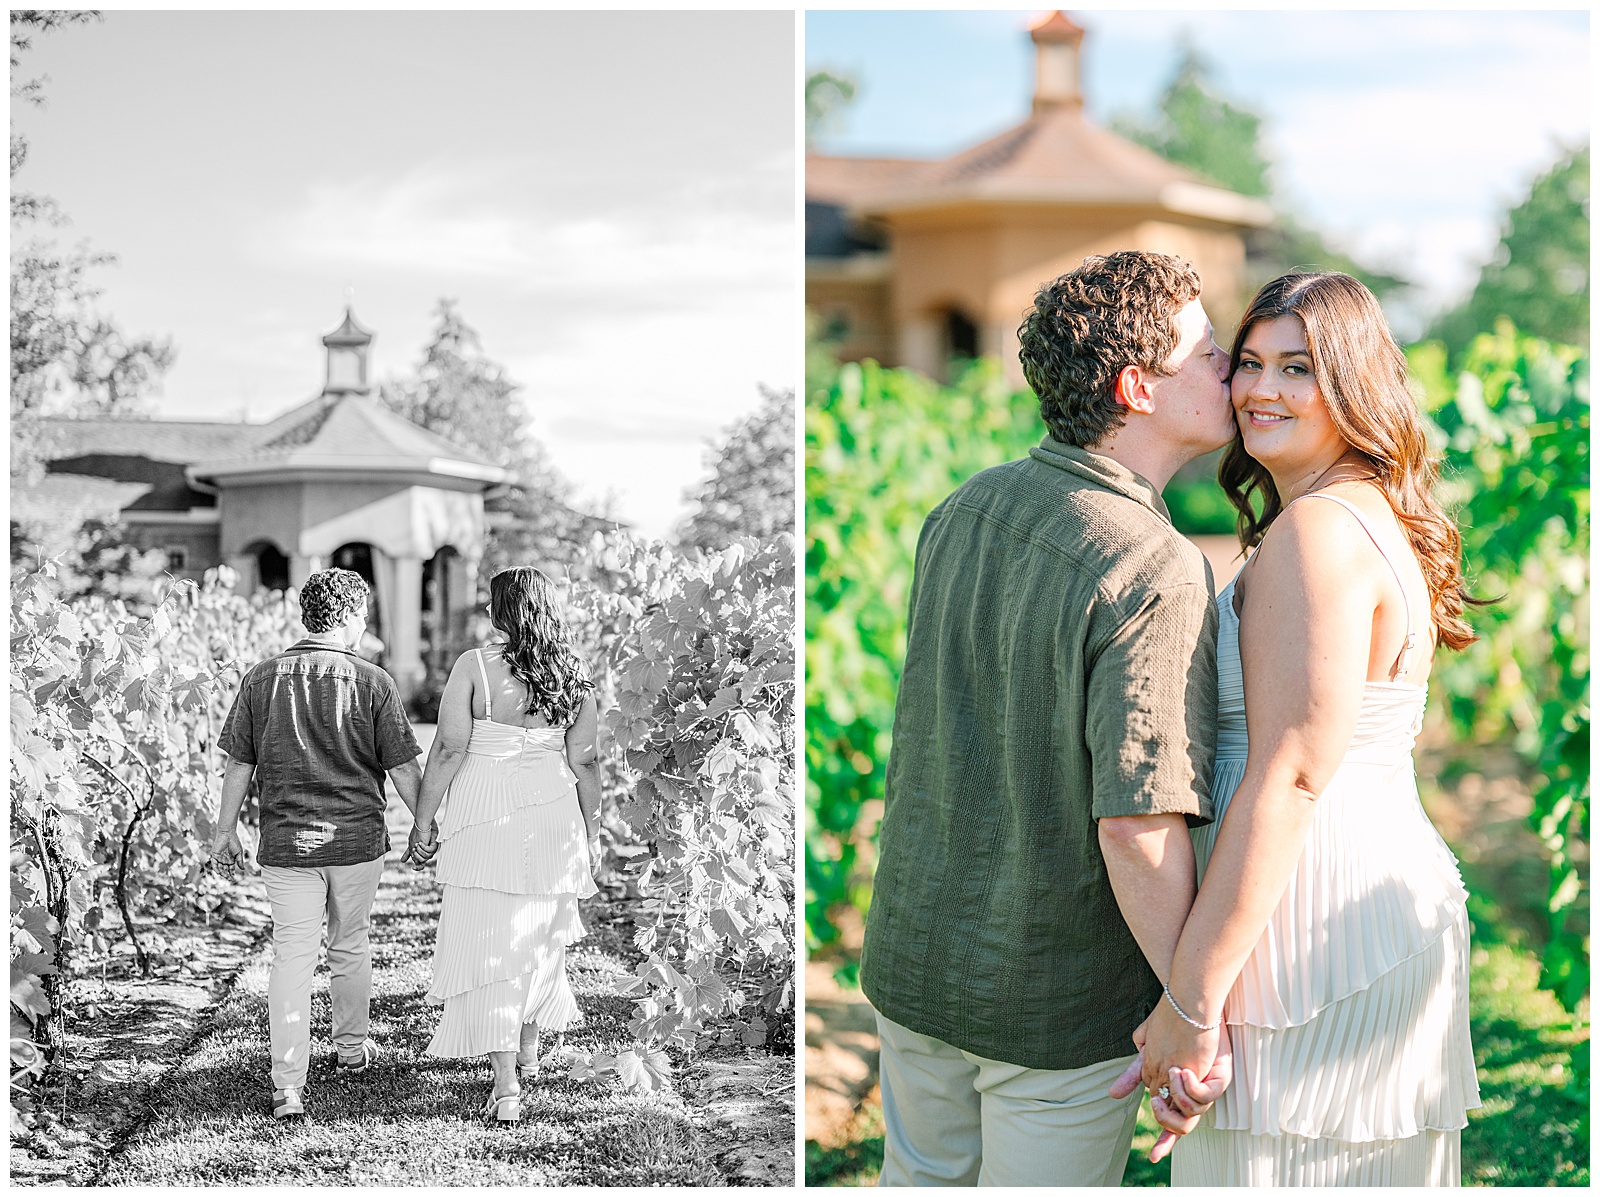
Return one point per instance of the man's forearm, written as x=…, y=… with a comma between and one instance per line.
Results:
x=1150, y=862
x=407, y=779
x=235, y=785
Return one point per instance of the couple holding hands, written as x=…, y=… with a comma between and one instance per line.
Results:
x=1139, y=838
x=509, y=806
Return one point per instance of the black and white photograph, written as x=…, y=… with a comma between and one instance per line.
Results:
x=403, y=598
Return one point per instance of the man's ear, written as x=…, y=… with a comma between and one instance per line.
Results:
x=1133, y=390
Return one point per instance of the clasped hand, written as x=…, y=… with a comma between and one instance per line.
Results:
x=1194, y=1065
x=420, y=849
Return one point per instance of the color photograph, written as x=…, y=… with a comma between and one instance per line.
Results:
x=403, y=607
x=1196, y=472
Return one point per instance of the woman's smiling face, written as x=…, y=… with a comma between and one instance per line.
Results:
x=1281, y=415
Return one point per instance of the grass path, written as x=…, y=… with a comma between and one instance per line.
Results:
x=412, y=1119
x=165, y=1080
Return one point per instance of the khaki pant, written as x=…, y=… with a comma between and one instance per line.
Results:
x=953, y=1118
x=300, y=898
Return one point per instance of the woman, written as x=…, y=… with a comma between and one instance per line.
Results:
x=513, y=764
x=1330, y=930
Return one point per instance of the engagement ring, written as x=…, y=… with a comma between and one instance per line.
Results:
x=1164, y=1093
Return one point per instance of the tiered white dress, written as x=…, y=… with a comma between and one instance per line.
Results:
x=1352, y=1060
x=513, y=861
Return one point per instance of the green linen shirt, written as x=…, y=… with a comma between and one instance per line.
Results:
x=1060, y=668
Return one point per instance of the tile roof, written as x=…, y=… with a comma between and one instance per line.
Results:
x=180, y=441
x=1056, y=27
x=342, y=432
x=1056, y=152
x=1055, y=156
x=328, y=429
x=353, y=426
x=348, y=333
x=856, y=180
x=73, y=498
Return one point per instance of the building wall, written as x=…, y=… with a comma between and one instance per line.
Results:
x=855, y=312
x=943, y=261
x=200, y=544
x=279, y=511
x=990, y=261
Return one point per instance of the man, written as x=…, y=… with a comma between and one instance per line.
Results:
x=1053, y=738
x=318, y=727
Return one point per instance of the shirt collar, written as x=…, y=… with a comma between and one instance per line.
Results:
x=1103, y=471
x=321, y=643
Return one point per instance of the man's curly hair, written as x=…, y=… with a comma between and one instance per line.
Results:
x=330, y=597
x=1115, y=310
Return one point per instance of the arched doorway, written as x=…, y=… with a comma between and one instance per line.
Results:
x=357, y=556
x=444, y=611
x=263, y=566
x=960, y=336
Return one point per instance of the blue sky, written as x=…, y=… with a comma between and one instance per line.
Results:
x=622, y=236
x=1402, y=135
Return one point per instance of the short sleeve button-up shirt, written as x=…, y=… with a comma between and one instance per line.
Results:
x=1060, y=669
x=322, y=727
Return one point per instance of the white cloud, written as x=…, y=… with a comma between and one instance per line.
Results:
x=448, y=222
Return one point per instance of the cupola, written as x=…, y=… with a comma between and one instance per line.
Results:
x=348, y=347
x=1057, y=41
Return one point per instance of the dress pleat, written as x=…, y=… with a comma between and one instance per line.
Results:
x=513, y=862
x=1352, y=1058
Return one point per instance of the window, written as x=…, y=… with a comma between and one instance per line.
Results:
x=177, y=557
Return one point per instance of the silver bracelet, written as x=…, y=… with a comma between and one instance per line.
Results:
x=1199, y=1026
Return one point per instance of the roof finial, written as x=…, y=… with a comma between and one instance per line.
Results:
x=350, y=296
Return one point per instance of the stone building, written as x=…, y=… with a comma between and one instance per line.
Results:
x=913, y=262
x=339, y=480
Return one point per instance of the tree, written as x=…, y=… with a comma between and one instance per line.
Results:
x=462, y=395
x=25, y=23
x=466, y=397
x=826, y=95
x=67, y=358
x=751, y=489
x=1196, y=127
x=1539, y=276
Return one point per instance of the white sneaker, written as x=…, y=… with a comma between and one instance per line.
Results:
x=288, y=1103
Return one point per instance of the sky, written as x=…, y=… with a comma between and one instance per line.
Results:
x=1402, y=136
x=609, y=196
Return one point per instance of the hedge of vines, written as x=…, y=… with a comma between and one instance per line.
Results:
x=115, y=781
x=883, y=446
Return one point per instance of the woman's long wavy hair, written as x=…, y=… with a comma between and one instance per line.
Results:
x=1361, y=374
x=523, y=605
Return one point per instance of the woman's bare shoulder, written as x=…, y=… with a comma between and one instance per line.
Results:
x=1315, y=548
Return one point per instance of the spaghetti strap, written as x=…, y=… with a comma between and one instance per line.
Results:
x=484, y=674
x=1403, y=665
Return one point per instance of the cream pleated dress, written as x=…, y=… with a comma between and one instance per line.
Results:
x=513, y=861
x=1352, y=1060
